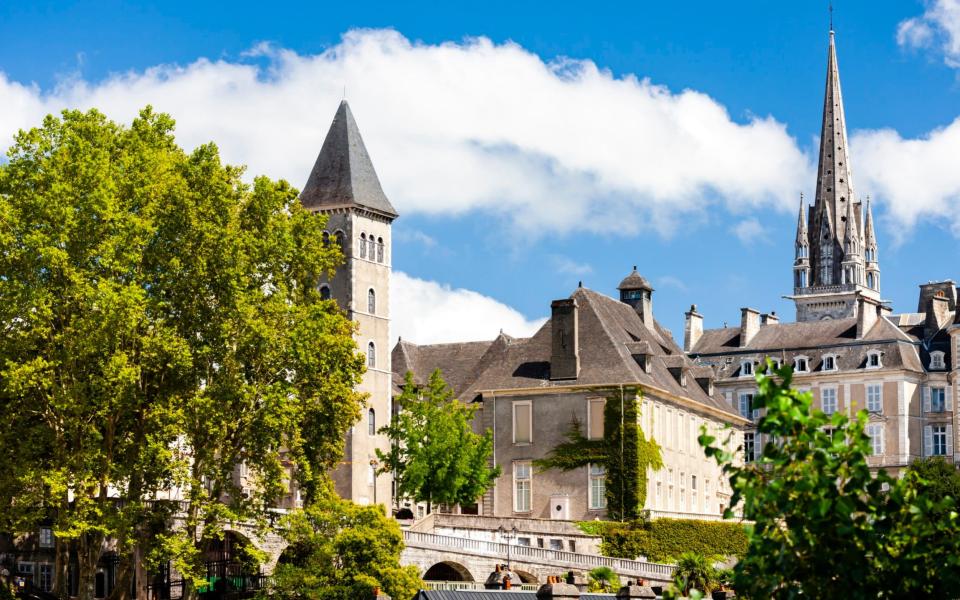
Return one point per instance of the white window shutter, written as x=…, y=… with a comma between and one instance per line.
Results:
x=925, y=390
x=928, y=440
x=883, y=447
x=758, y=446
x=948, y=397
x=950, y=441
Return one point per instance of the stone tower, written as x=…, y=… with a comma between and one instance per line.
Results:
x=344, y=186
x=836, y=250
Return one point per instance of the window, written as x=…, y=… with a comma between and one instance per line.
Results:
x=371, y=355
x=875, y=397
x=936, y=360
x=683, y=491
x=371, y=301
x=326, y=238
x=829, y=363
x=938, y=399
x=46, y=577
x=670, y=488
x=693, y=492
x=523, y=541
x=870, y=279
x=873, y=360
x=522, y=423
x=939, y=440
x=25, y=569
x=598, y=487
x=371, y=422
x=324, y=292
x=746, y=401
x=363, y=245
x=380, y=250
x=828, y=400
x=338, y=237
x=46, y=537
x=706, y=494
x=875, y=431
x=556, y=545
x=800, y=364
x=749, y=446
x=746, y=368
x=522, y=484
x=595, y=418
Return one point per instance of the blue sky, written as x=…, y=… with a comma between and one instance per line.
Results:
x=518, y=173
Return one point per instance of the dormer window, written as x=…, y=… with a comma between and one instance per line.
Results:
x=746, y=368
x=936, y=360
x=801, y=364
x=873, y=359
x=830, y=363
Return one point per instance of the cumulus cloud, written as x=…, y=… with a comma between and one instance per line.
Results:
x=915, y=178
x=938, y=27
x=750, y=231
x=550, y=146
x=427, y=312
x=567, y=266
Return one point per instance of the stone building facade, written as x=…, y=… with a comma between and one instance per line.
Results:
x=344, y=186
x=531, y=390
x=847, y=347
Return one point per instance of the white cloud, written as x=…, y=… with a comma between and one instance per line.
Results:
x=669, y=281
x=568, y=266
x=427, y=312
x=938, y=26
x=750, y=231
x=915, y=178
x=549, y=146
x=414, y=236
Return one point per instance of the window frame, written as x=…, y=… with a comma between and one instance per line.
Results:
x=940, y=431
x=874, y=355
x=748, y=414
x=833, y=363
x=875, y=432
x=45, y=537
x=371, y=301
x=371, y=355
x=371, y=421
x=746, y=368
x=878, y=386
x=596, y=478
x=823, y=397
x=938, y=360
x=513, y=422
x=590, y=423
x=517, y=465
x=806, y=364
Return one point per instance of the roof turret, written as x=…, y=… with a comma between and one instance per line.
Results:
x=635, y=281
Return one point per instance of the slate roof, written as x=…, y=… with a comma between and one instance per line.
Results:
x=610, y=334
x=343, y=174
x=899, y=337
x=635, y=281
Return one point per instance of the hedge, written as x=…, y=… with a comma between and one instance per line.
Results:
x=663, y=540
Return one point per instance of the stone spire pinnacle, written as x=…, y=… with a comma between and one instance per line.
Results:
x=802, y=233
x=869, y=237
x=343, y=174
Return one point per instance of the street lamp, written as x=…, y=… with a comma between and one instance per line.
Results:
x=508, y=535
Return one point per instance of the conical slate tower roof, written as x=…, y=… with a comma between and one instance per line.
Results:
x=343, y=174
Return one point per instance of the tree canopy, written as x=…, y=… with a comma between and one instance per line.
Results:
x=162, y=324
x=825, y=526
x=435, y=455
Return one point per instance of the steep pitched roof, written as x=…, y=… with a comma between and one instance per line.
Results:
x=610, y=334
x=343, y=174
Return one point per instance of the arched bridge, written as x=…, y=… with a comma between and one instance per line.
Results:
x=473, y=560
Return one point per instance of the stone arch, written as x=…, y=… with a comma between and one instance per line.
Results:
x=525, y=576
x=447, y=570
x=273, y=544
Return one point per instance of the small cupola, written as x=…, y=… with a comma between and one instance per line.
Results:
x=636, y=291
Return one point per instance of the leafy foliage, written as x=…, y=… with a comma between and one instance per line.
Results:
x=603, y=579
x=694, y=572
x=825, y=526
x=624, y=452
x=435, y=456
x=342, y=551
x=664, y=540
x=936, y=479
x=161, y=324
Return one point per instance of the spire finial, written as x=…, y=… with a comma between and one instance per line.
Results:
x=831, y=16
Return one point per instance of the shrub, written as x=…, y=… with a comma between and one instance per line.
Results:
x=664, y=540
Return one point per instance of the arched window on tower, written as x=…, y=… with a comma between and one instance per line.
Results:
x=338, y=237
x=324, y=292
x=371, y=302
x=363, y=245
x=326, y=238
x=371, y=355
x=371, y=422
x=380, y=250
x=870, y=281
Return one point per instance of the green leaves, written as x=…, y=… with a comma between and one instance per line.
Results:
x=435, y=455
x=825, y=525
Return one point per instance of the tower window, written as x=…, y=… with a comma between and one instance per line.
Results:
x=936, y=360
x=371, y=302
x=371, y=355
x=363, y=245
x=324, y=292
x=326, y=238
x=338, y=236
x=380, y=250
x=372, y=422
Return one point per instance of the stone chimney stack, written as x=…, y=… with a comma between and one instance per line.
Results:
x=749, y=325
x=635, y=590
x=770, y=318
x=692, y=328
x=938, y=315
x=565, y=355
x=556, y=590
x=866, y=316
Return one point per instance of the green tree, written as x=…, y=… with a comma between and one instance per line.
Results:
x=825, y=526
x=936, y=479
x=161, y=324
x=603, y=579
x=695, y=572
x=435, y=455
x=624, y=451
x=342, y=551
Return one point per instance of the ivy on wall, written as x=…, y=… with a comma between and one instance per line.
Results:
x=664, y=540
x=624, y=451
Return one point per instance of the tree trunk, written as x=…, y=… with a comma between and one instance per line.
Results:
x=139, y=573
x=121, y=587
x=89, y=548
x=61, y=569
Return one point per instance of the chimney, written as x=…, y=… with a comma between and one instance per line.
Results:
x=770, y=318
x=565, y=355
x=866, y=316
x=635, y=591
x=938, y=315
x=556, y=591
x=692, y=328
x=749, y=325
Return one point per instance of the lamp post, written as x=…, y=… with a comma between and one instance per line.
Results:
x=508, y=535
x=373, y=466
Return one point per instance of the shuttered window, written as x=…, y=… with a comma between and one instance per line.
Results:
x=595, y=418
x=522, y=423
